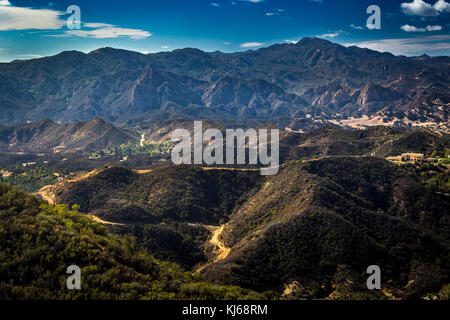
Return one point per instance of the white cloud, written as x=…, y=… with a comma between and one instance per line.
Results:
x=280, y=13
x=107, y=31
x=418, y=8
x=408, y=28
x=253, y=1
x=29, y=56
x=251, y=44
x=291, y=41
x=97, y=25
x=424, y=9
x=442, y=6
x=433, y=28
x=18, y=18
x=331, y=35
x=328, y=35
x=356, y=27
x=214, y=4
x=407, y=46
x=165, y=47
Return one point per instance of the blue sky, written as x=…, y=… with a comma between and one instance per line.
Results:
x=31, y=29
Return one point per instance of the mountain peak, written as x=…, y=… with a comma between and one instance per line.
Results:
x=110, y=50
x=97, y=120
x=424, y=56
x=70, y=53
x=313, y=41
x=46, y=121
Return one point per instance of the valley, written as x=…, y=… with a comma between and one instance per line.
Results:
x=335, y=198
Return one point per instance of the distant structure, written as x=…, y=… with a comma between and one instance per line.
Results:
x=407, y=157
x=5, y=174
x=141, y=142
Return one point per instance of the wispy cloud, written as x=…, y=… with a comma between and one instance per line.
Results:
x=331, y=35
x=280, y=13
x=97, y=25
x=19, y=18
x=251, y=44
x=356, y=27
x=407, y=46
x=29, y=56
x=424, y=9
x=408, y=28
x=214, y=4
x=108, y=31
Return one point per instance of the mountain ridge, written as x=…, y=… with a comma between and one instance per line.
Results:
x=316, y=77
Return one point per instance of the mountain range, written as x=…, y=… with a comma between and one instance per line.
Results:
x=313, y=78
x=89, y=134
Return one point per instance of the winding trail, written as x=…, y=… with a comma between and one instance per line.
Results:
x=223, y=250
x=47, y=195
x=99, y=220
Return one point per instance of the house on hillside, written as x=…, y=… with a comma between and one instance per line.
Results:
x=407, y=157
x=394, y=158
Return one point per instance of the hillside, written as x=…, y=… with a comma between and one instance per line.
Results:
x=172, y=193
x=38, y=243
x=312, y=78
x=164, y=209
x=321, y=222
x=315, y=227
x=51, y=137
x=377, y=141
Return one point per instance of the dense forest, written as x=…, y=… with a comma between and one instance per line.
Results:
x=30, y=179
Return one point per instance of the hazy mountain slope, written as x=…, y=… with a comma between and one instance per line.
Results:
x=48, y=136
x=320, y=224
x=314, y=77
